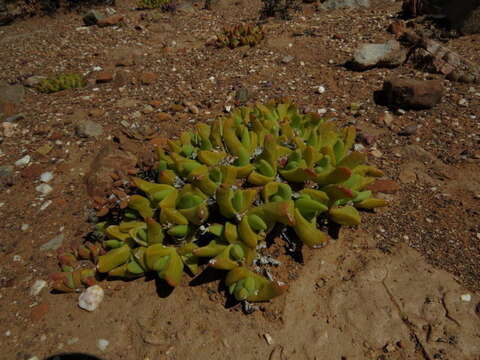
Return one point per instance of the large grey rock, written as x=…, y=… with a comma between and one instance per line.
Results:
x=389, y=54
x=340, y=4
x=11, y=93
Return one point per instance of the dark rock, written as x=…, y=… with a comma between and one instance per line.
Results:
x=412, y=94
x=92, y=17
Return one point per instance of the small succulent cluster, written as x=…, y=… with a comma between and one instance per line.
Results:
x=61, y=82
x=223, y=188
x=152, y=4
x=240, y=35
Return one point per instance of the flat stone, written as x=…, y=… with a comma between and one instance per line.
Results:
x=389, y=54
x=6, y=170
x=340, y=4
x=110, y=21
x=148, y=78
x=88, y=128
x=103, y=77
x=12, y=93
x=384, y=186
x=108, y=161
x=53, y=244
x=33, y=81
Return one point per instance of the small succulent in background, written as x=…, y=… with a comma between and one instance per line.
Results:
x=219, y=192
x=61, y=82
x=154, y=4
x=240, y=35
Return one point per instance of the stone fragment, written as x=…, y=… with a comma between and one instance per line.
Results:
x=92, y=17
x=91, y=298
x=23, y=161
x=34, y=81
x=37, y=287
x=53, y=244
x=384, y=186
x=340, y=4
x=110, y=160
x=148, y=78
x=103, y=77
x=11, y=93
x=412, y=94
x=389, y=54
x=88, y=128
x=110, y=21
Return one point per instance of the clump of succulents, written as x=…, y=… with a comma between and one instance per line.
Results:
x=61, y=82
x=240, y=35
x=152, y=4
x=221, y=190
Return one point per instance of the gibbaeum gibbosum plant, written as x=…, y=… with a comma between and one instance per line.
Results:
x=220, y=191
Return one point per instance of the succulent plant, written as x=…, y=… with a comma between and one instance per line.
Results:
x=240, y=35
x=152, y=4
x=61, y=82
x=220, y=191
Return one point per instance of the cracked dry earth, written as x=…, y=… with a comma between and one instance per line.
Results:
x=403, y=285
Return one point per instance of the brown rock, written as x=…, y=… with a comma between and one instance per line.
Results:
x=103, y=77
x=96, y=113
x=7, y=109
x=39, y=312
x=412, y=94
x=397, y=28
x=148, y=78
x=109, y=160
x=162, y=116
x=125, y=56
x=33, y=171
x=110, y=21
x=384, y=186
x=122, y=78
x=155, y=103
x=159, y=141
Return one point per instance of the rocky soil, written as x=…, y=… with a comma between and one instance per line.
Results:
x=403, y=285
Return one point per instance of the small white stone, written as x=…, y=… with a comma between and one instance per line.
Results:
x=321, y=89
x=102, y=344
x=45, y=189
x=268, y=338
x=34, y=358
x=462, y=102
x=466, y=297
x=358, y=147
x=23, y=161
x=72, y=341
x=45, y=205
x=17, y=258
x=322, y=111
x=8, y=333
x=228, y=108
x=37, y=287
x=24, y=227
x=91, y=298
x=97, y=68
